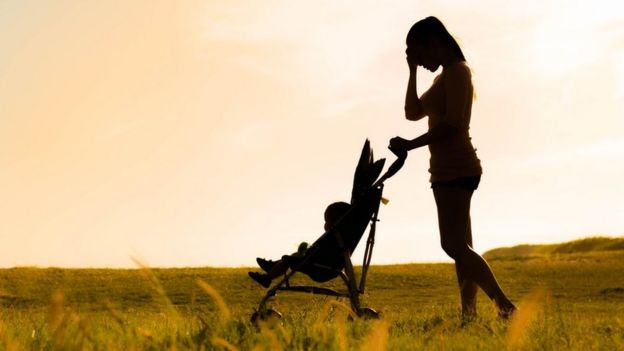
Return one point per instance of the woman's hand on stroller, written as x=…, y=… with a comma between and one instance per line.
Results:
x=399, y=146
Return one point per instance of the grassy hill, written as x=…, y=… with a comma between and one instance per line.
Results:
x=581, y=246
x=567, y=301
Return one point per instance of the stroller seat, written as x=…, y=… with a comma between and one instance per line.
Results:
x=325, y=260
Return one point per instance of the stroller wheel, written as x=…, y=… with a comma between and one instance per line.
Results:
x=268, y=316
x=368, y=313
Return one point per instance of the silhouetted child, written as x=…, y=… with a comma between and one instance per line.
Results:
x=277, y=268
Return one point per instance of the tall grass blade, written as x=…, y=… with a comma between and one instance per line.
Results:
x=377, y=338
x=160, y=291
x=217, y=341
x=216, y=297
x=528, y=309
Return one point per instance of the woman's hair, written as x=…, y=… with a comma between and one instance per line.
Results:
x=423, y=31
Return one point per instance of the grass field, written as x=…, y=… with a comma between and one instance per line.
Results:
x=568, y=301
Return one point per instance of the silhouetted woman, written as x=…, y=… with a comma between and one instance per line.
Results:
x=454, y=166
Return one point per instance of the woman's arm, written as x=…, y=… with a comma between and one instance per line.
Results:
x=434, y=135
x=413, y=106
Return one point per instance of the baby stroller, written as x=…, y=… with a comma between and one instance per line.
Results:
x=330, y=256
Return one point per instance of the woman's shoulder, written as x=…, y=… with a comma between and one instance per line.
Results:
x=459, y=67
x=458, y=71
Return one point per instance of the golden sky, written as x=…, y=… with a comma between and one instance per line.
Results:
x=211, y=132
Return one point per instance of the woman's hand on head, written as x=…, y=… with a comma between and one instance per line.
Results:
x=412, y=62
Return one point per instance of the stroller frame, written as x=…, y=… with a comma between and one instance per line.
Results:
x=347, y=274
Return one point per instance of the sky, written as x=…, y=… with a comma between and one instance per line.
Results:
x=208, y=133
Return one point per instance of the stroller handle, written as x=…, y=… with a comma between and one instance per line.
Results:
x=394, y=167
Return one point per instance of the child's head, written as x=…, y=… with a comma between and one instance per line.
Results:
x=334, y=212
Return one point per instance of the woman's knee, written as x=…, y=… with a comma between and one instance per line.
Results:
x=454, y=249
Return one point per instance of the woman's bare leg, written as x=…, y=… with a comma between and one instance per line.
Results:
x=453, y=218
x=467, y=288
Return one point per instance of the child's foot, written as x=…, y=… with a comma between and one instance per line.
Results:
x=266, y=265
x=261, y=279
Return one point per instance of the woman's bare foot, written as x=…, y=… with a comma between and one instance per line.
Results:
x=507, y=312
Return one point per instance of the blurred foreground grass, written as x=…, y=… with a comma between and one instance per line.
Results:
x=570, y=301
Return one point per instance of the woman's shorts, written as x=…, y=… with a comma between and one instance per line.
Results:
x=468, y=183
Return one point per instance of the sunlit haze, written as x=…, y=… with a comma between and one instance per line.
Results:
x=193, y=133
